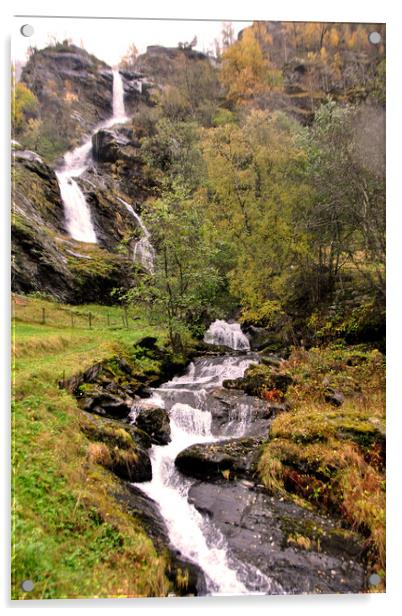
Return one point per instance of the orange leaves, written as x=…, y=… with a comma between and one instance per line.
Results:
x=272, y=395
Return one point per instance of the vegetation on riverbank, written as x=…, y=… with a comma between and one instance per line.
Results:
x=71, y=536
x=329, y=453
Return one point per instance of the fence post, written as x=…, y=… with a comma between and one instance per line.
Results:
x=72, y=320
x=90, y=320
x=43, y=316
x=126, y=315
x=108, y=319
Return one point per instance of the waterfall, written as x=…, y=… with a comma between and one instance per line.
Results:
x=76, y=210
x=227, y=334
x=144, y=252
x=119, y=111
x=191, y=533
x=77, y=213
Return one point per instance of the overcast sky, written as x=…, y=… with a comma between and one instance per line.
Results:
x=108, y=39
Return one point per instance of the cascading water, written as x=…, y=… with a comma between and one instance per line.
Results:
x=144, y=252
x=227, y=334
x=193, y=535
x=78, y=216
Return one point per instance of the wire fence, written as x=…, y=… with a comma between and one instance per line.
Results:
x=64, y=317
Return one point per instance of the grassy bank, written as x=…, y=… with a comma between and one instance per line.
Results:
x=70, y=536
x=333, y=457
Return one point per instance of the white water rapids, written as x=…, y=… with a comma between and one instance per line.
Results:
x=193, y=535
x=227, y=334
x=78, y=216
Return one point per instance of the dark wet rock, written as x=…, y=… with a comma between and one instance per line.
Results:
x=260, y=337
x=300, y=551
x=108, y=405
x=147, y=511
x=233, y=410
x=105, y=403
x=336, y=398
x=135, y=468
x=110, y=145
x=125, y=366
x=269, y=341
x=36, y=190
x=154, y=421
x=107, y=145
x=260, y=378
x=148, y=342
x=233, y=458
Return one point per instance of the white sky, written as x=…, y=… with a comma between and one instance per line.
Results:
x=108, y=39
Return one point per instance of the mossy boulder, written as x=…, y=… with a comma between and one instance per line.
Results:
x=117, y=447
x=154, y=421
x=260, y=378
x=231, y=459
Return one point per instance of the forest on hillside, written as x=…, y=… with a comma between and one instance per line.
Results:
x=225, y=208
x=269, y=158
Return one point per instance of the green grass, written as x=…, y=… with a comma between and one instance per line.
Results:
x=70, y=535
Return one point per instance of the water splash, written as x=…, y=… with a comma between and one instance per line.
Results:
x=227, y=334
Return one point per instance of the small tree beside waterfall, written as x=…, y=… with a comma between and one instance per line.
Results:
x=182, y=291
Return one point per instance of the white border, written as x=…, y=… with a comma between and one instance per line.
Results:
x=339, y=10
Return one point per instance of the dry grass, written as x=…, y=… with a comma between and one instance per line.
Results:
x=98, y=453
x=300, y=541
x=333, y=457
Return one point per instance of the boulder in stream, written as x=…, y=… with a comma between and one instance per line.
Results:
x=233, y=458
x=235, y=413
x=300, y=551
x=153, y=420
x=121, y=448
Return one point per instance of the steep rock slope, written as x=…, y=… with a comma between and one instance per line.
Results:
x=75, y=91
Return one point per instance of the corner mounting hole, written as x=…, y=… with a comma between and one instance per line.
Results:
x=375, y=38
x=374, y=579
x=27, y=30
x=27, y=585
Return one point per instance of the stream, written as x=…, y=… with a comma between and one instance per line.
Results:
x=195, y=536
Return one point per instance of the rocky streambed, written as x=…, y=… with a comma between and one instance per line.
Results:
x=195, y=486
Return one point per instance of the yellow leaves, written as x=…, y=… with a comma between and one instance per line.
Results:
x=333, y=38
x=244, y=68
x=323, y=54
x=24, y=105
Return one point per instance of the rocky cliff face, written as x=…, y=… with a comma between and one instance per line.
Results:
x=75, y=93
x=72, y=86
x=45, y=258
x=159, y=64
